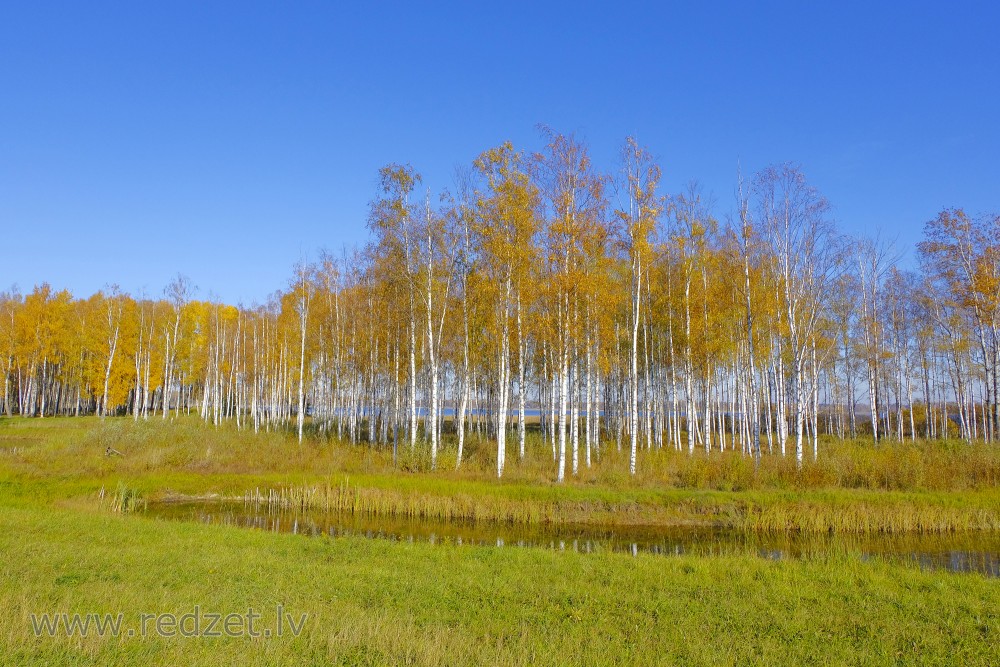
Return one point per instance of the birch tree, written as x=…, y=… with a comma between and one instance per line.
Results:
x=639, y=210
x=506, y=225
x=801, y=238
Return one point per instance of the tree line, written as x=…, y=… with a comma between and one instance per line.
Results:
x=593, y=306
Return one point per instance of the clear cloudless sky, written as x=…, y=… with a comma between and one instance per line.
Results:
x=228, y=140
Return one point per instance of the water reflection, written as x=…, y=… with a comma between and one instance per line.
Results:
x=958, y=552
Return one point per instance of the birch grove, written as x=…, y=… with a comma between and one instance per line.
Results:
x=551, y=308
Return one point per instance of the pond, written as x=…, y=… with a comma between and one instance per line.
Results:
x=957, y=552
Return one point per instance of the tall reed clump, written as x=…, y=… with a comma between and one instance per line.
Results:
x=344, y=498
x=125, y=499
x=864, y=517
x=753, y=512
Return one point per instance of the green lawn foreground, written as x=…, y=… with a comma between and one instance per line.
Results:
x=382, y=602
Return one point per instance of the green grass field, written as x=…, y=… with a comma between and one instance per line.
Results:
x=378, y=602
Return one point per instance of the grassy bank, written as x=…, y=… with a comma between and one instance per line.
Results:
x=853, y=487
x=377, y=602
x=67, y=446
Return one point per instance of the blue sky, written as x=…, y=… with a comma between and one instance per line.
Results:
x=226, y=141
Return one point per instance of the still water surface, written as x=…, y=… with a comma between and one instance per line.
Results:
x=958, y=552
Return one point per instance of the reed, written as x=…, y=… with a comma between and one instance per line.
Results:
x=885, y=516
x=125, y=499
x=754, y=513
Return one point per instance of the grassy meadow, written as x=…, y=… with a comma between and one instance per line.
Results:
x=66, y=549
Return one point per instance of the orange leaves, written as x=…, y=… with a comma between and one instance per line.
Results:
x=961, y=255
